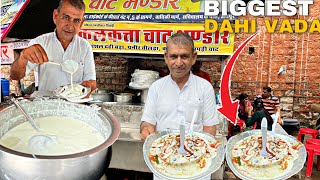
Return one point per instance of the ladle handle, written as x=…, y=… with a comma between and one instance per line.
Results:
x=33, y=124
x=51, y=62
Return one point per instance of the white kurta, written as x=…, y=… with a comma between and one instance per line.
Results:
x=52, y=76
x=166, y=104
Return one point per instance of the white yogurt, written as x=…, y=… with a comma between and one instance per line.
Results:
x=73, y=136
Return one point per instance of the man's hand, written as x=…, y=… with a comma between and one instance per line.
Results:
x=210, y=129
x=35, y=54
x=92, y=84
x=146, y=129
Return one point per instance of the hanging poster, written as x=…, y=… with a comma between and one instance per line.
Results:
x=10, y=12
x=144, y=26
x=151, y=38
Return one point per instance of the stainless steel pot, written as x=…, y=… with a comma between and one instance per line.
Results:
x=89, y=164
x=123, y=97
x=102, y=96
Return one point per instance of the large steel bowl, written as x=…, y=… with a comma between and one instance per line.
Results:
x=215, y=163
x=90, y=164
x=298, y=163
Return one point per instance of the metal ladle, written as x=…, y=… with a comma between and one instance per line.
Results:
x=68, y=66
x=41, y=141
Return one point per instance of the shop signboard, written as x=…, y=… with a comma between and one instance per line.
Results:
x=143, y=26
x=7, y=53
x=10, y=12
x=151, y=38
x=143, y=10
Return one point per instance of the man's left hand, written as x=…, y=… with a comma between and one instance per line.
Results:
x=210, y=129
x=92, y=84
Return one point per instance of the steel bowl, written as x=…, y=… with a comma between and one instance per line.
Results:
x=298, y=163
x=88, y=165
x=123, y=97
x=102, y=97
x=215, y=164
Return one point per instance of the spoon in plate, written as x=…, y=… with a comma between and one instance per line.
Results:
x=264, y=126
x=182, y=129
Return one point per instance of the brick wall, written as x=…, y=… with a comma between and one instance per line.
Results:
x=112, y=72
x=299, y=53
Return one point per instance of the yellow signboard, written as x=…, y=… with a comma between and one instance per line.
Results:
x=151, y=38
x=142, y=6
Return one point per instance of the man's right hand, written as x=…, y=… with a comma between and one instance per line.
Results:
x=35, y=54
x=146, y=129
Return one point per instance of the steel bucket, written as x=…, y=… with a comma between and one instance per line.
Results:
x=89, y=164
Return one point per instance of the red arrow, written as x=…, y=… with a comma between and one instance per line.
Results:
x=229, y=108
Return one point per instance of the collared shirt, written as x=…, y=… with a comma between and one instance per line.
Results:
x=52, y=76
x=167, y=105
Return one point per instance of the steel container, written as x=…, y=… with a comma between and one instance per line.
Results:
x=87, y=165
x=123, y=97
x=102, y=96
x=298, y=163
x=216, y=161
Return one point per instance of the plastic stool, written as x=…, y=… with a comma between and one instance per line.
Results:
x=312, y=150
x=308, y=131
x=240, y=123
x=255, y=125
x=313, y=141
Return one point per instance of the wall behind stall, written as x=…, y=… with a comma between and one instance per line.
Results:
x=298, y=53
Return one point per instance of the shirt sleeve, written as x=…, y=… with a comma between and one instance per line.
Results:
x=149, y=110
x=209, y=115
x=276, y=102
x=89, y=72
x=251, y=120
x=31, y=66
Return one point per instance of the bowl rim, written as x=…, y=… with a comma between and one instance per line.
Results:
x=112, y=138
x=297, y=166
x=208, y=172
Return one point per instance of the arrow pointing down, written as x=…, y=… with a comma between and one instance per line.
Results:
x=229, y=108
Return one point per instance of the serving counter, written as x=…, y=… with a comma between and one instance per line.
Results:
x=127, y=151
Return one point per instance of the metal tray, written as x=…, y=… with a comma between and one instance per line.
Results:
x=215, y=164
x=57, y=92
x=298, y=163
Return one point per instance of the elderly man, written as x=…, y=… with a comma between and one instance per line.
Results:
x=180, y=94
x=61, y=45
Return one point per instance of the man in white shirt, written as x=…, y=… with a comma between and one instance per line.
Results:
x=61, y=45
x=180, y=94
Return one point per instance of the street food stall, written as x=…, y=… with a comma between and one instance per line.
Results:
x=141, y=33
x=131, y=28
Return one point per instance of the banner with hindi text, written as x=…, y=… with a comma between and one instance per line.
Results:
x=151, y=38
x=144, y=10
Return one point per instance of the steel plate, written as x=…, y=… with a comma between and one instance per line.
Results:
x=215, y=164
x=298, y=163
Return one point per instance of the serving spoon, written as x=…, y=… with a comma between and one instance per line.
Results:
x=40, y=141
x=264, y=126
x=69, y=66
x=182, y=128
x=195, y=114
